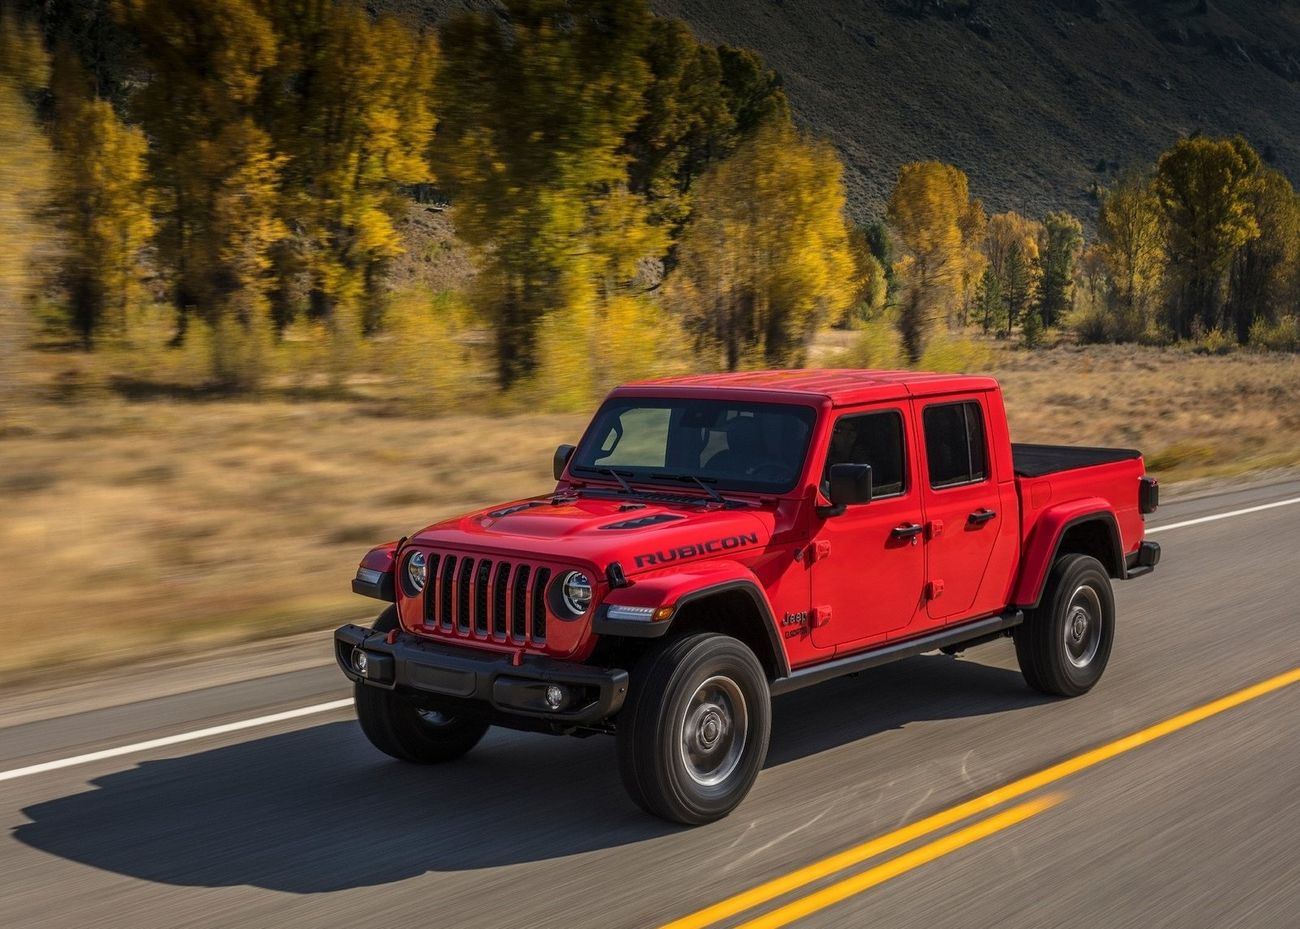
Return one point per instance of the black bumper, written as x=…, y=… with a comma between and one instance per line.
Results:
x=419, y=666
x=1144, y=560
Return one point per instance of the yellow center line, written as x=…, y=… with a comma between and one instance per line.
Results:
x=850, y=886
x=825, y=867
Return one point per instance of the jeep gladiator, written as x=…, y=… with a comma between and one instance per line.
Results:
x=715, y=540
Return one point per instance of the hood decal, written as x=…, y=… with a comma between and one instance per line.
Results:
x=699, y=548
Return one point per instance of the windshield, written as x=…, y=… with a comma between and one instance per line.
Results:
x=756, y=447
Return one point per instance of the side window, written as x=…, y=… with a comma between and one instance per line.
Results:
x=870, y=438
x=954, y=444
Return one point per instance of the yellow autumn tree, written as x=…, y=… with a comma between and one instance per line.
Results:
x=940, y=229
x=535, y=109
x=24, y=175
x=767, y=257
x=217, y=170
x=1131, y=235
x=353, y=116
x=101, y=201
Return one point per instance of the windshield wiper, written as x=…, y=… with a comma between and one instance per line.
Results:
x=703, y=482
x=609, y=472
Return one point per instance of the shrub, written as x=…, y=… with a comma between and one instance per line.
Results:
x=877, y=346
x=956, y=352
x=1215, y=342
x=1281, y=336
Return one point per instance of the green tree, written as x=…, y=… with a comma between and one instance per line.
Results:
x=1131, y=232
x=767, y=257
x=535, y=109
x=101, y=201
x=939, y=226
x=1204, y=190
x=1062, y=242
x=1020, y=287
x=1264, y=273
x=990, y=307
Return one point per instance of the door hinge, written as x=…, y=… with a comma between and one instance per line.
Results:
x=934, y=590
x=936, y=528
x=821, y=616
x=819, y=550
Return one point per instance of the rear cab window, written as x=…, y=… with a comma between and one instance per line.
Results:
x=955, y=449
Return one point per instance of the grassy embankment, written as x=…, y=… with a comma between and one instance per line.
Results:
x=128, y=526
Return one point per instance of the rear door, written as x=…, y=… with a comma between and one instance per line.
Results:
x=963, y=515
x=869, y=564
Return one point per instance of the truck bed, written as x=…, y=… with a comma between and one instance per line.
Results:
x=1041, y=460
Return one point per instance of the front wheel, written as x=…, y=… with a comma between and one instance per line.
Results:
x=1064, y=644
x=399, y=728
x=693, y=734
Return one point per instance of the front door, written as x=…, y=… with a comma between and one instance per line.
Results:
x=869, y=562
x=963, y=512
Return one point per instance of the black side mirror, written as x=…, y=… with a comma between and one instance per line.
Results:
x=561, y=461
x=850, y=484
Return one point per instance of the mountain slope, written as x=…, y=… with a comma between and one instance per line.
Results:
x=1031, y=99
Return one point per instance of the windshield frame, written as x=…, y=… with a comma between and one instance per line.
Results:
x=583, y=466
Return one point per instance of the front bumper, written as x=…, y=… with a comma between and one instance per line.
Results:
x=422, y=667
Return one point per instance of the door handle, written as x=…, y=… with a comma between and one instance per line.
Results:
x=909, y=531
x=981, y=516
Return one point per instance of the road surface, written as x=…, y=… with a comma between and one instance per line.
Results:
x=938, y=792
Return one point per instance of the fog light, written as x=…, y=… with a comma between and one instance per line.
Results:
x=555, y=696
x=360, y=661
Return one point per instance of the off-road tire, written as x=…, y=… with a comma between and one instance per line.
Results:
x=1063, y=644
x=688, y=701
x=398, y=728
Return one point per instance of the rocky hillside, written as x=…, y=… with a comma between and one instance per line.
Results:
x=1036, y=101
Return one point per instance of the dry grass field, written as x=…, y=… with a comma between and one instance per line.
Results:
x=136, y=526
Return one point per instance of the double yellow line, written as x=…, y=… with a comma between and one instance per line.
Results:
x=847, y=887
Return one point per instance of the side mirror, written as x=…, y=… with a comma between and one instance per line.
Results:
x=850, y=484
x=561, y=461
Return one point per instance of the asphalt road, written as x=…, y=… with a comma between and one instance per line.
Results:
x=301, y=823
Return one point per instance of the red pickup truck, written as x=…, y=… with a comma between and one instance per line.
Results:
x=716, y=540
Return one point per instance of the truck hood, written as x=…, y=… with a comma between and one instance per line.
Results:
x=597, y=530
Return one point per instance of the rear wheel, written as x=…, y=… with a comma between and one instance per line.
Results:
x=693, y=734
x=1064, y=644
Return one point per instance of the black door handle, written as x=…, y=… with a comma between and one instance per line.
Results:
x=980, y=517
x=909, y=531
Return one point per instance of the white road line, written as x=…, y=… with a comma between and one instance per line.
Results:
x=175, y=739
x=1228, y=515
x=340, y=704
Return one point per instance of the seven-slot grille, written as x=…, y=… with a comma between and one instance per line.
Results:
x=485, y=599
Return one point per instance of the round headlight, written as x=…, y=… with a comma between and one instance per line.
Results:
x=417, y=573
x=576, y=592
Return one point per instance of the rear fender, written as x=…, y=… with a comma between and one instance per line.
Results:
x=1045, y=542
x=663, y=598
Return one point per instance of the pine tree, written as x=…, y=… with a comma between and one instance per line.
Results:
x=1062, y=241
x=1019, y=287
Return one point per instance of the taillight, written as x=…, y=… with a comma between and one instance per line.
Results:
x=1148, y=494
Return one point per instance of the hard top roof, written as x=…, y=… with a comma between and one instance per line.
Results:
x=839, y=385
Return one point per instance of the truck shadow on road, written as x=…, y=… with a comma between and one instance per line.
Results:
x=318, y=810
